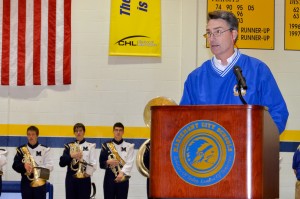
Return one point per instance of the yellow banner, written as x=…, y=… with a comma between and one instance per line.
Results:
x=135, y=28
x=292, y=25
x=256, y=21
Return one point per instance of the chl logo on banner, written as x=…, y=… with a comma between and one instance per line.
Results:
x=202, y=153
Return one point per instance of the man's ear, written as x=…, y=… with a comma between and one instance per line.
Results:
x=234, y=35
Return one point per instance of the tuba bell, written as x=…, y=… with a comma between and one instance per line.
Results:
x=145, y=147
x=140, y=158
x=40, y=174
x=80, y=170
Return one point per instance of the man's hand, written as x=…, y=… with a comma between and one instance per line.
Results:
x=119, y=177
x=76, y=155
x=112, y=163
x=28, y=168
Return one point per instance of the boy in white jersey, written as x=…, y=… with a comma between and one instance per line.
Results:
x=116, y=157
x=28, y=158
x=79, y=157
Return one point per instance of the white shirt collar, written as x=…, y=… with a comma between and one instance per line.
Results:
x=219, y=64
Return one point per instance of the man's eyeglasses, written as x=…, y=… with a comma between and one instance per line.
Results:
x=217, y=33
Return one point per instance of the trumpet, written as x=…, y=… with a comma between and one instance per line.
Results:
x=116, y=169
x=80, y=170
x=37, y=171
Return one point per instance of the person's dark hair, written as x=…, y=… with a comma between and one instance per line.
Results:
x=229, y=17
x=33, y=128
x=118, y=124
x=77, y=126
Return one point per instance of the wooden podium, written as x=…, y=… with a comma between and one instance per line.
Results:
x=255, y=171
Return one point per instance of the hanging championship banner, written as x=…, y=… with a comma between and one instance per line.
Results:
x=135, y=28
x=292, y=25
x=256, y=21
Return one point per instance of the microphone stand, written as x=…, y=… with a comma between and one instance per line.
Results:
x=240, y=93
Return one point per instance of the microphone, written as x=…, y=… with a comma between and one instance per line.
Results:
x=239, y=77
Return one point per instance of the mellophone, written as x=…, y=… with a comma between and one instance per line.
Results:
x=40, y=174
x=80, y=164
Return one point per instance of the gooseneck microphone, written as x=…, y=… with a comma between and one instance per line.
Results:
x=241, y=82
x=239, y=77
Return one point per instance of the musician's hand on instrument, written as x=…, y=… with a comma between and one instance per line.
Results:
x=76, y=156
x=72, y=155
x=28, y=167
x=119, y=177
x=79, y=155
x=112, y=162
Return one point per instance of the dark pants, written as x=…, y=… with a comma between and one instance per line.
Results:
x=113, y=190
x=148, y=188
x=78, y=188
x=29, y=192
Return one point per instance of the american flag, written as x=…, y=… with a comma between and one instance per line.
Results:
x=35, y=42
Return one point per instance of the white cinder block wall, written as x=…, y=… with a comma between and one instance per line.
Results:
x=108, y=89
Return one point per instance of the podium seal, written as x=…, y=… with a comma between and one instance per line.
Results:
x=202, y=153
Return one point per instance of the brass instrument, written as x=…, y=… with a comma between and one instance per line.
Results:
x=158, y=101
x=40, y=175
x=80, y=171
x=140, y=159
x=116, y=170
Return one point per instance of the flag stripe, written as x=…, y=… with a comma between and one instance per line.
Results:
x=21, y=42
x=5, y=42
x=44, y=41
x=1, y=27
x=13, y=53
x=29, y=44
x=67, y=44
x=35, y=42
x=59, y=43
x=51, y=41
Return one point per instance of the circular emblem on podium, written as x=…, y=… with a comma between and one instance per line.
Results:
x=202, y=153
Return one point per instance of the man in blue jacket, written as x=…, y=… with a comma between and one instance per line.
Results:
x=214, y=82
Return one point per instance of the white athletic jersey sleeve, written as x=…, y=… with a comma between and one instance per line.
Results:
x=89, y=156
x=3, y=159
